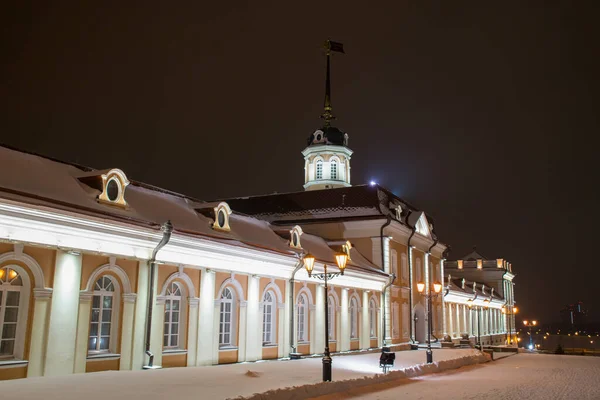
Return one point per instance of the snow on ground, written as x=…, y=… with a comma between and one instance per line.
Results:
x=214, y=382
x=523, y=376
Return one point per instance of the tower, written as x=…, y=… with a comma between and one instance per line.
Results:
x=327, y=155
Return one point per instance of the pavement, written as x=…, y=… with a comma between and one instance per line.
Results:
x=211, y=382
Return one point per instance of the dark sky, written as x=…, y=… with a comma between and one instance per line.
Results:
x=483, y=115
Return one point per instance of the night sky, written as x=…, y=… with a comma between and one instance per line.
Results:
x=482, y=115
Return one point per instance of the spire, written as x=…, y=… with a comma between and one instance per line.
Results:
x=328, y=110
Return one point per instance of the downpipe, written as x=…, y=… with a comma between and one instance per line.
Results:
x=430, y=322
x=291, y=300
x=383, y=296
x=167, y=229
x=410, y=297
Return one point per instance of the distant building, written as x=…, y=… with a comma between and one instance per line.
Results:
x=488, y=285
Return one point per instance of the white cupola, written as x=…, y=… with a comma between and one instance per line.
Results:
x=327, y=156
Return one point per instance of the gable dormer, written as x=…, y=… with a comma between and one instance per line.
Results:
x=423, y=226
x=110, y=183
x=218, y=212
x=295, y=237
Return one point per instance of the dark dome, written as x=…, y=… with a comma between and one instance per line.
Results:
x=328, y=135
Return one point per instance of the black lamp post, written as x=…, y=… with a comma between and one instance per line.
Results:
x=437, y=288
x=309, y=262
x=486, y=303
x=529, y=324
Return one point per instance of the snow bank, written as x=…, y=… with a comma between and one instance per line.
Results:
x=326, y=388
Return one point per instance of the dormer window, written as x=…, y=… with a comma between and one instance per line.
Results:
x=222, y=213
x=319, y=169
x=111, y=184
x=295, y=234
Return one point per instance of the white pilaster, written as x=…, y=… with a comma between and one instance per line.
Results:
x=83, y=322
x=242, y=337
x=192, y=339
x=319, y=338
x=344, y=339
x=62, y=327
x=312, y=334
x=282, y=322
x=158, y=321
x=127, y=331
x=39, y=332
x=205, y=349
x=287, y=335
x=365, y=337
x=138, y=342
x=253, y=321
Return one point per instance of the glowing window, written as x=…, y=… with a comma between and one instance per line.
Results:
x=10, y=299
x=101, y=322
x=334, y=170
x=319, y=169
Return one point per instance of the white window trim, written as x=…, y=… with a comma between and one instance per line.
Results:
x=22, y=314
x=332, y=321
x=318, y=163
x=273, y=325
x=353, y=311
x=114, y=319
x=373, y=318
x=304, y=337
x=232, y=321
x=182, y=317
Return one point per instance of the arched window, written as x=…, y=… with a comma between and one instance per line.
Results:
x=269, y=318
x=319, y=167
x=102, y=326
x=334, y=170
x=172, y=316
x=302, y=318
x=11, y=286
x=227, y=315
x=373, y=318
x=331, y=316
x=353, y=318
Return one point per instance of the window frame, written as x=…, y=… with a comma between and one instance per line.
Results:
x=372, y=318
x=232, y=318
x=353, y=311
x=302, y=305
x=22, y=301
x=114, y=316
x=333, y=170
x=319, y=169
x=331, y=315
x=170, y=298
x=272, y=324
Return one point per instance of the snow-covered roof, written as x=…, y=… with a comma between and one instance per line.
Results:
x=39, y=180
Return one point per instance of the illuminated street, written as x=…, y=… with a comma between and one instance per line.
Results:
x=523, y=376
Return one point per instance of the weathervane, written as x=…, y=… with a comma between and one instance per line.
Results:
x=330, y=47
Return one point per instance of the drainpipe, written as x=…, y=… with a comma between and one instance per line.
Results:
x=414, y=229
x=291, y=297
x=430, y=322
x=383, y=297
x=166, y=228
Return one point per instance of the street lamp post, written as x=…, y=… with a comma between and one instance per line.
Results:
x=437, y=288
x=529, y=324
x=486, y=304
x=309, y=262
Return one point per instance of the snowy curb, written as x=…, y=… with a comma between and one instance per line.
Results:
x=325, y=388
